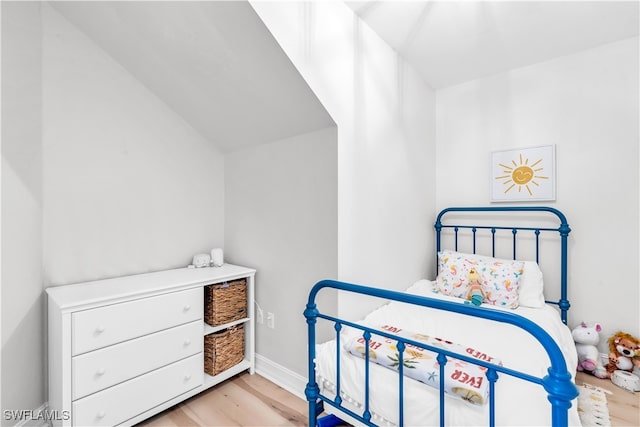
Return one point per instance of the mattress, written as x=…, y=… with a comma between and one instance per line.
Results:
x=517, y=402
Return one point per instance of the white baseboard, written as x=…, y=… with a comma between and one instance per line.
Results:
x=279, y=375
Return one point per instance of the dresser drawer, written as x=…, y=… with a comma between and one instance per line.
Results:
x=124, y=401
x=99, y=369
x=100, y=327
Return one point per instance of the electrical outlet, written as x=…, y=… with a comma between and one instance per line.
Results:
x=259, y=316
x=271, y=320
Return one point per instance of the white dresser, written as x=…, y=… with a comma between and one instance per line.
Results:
x=124, y=349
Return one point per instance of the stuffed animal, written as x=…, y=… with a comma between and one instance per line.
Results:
x=475, y=294
x=586, y=338
x=624, y=352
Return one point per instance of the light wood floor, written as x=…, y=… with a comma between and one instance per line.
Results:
x=251, y=400
x=624, y=406
x=244, y=400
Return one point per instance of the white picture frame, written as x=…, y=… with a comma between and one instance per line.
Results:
x=523, y=174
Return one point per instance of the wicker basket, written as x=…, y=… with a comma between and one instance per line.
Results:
x=225, y=302
x=223, y=349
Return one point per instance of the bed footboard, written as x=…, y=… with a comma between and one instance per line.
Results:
x=557, y=383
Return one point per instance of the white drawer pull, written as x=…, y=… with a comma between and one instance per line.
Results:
x=100, y=329
x=187, y=307
x=100, y=372
x=187, y=342
x=187, y=377
x=101, y=414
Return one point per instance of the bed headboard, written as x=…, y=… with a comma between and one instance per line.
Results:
x=479, y=226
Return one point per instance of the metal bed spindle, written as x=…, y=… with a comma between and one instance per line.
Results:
x=338, y=328
x=493, y=241
x=442, y=360
x=473, y=231
x=455, y=229
x=401, y=348
x=366, y=414
x=492, y=376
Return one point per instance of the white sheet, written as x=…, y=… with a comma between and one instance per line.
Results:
x=518, y=402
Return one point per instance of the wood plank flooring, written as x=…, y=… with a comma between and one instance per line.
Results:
x=244, y=400
x=624, y=406
x=251, y=400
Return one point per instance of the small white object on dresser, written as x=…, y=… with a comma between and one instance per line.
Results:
x=124, y=349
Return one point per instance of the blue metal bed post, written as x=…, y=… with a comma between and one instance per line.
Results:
x=438, y=227
x=564, y=302
x=560, y=391
x=312, y=391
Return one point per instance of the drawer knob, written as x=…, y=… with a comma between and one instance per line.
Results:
x=101, y=414
x=187, y=307
x=100, y=372
x=187, y=377
x=187, y=342
x=100, y=329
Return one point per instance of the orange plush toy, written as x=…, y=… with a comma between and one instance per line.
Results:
x=624, y=352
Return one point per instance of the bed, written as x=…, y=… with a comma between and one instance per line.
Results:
x=431, y=356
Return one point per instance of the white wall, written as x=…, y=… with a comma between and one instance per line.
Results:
x=129, y=186
x=282, y=219
x=587, y=105
x=22, y=302
x=386, y=141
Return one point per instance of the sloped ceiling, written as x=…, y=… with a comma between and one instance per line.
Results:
x=213, y=62
x=218, y=66
x=450, y=42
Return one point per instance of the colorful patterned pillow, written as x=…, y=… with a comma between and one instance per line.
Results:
x=500, y=278
x=531, y=289
x=453, y=273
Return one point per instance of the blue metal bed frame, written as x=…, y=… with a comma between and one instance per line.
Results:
x=558, y=383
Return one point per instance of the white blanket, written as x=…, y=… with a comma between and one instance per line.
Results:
x=518, y=402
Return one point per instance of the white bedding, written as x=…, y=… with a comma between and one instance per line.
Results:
x=518, y=402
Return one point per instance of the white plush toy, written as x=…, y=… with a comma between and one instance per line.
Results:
x=586, y=338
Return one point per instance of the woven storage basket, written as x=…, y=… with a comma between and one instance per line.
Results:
x=225, y=302
x=223, y=349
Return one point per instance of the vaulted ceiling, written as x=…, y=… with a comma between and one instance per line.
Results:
x=219, y=67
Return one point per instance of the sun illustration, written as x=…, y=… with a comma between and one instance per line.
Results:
x=521, y=175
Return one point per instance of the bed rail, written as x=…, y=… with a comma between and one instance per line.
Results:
x=562, y=229
x=557, y=383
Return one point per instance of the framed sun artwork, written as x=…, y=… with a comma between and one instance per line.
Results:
x=524, y=174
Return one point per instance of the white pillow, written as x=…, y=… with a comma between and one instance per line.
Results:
x=532, y=286
x=531, y=289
